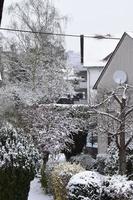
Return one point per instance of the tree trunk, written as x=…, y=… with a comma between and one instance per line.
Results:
x=122, y=161
x=122, y=148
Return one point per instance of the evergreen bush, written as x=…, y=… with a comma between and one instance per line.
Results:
x=18, y=159
x=85, y=186
x=107, y=164
x=91, y=185
x=85, y=160
x=117, y=188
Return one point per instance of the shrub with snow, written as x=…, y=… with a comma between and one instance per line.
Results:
x=85, y=186
x=18, y=160
x=130, y=166
x=61, y=176
x=100, y=163
x=117, y=188
x=112, y=160
x=85, y=160
x=91, y=185
x=107, y=164
x=16, y=149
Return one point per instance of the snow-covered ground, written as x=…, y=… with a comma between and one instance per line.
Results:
x=36, y=192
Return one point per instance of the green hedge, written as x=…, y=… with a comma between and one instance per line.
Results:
x=15, y=183
x=18, y=162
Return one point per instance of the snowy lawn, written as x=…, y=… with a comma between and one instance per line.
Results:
x=36, y=192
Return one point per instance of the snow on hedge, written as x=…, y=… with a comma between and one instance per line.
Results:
x=119, y=187
x=86, y=177
x=85, y=185
x=52, y=125
x=91, y=185
x=16, y=148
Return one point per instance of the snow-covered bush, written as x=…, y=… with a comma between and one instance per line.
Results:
x=130, y=166
x=117, y=188
x=18, y=160
x=53, y=125
x=60, y=178
x=85, y=160
x=85, y=186
x=91, y=185
x=107, y=164
x=112, y=160
x=100, y=163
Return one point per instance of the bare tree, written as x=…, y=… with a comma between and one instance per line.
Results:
x=116, y=121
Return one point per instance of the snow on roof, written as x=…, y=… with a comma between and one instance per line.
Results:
x=95, y=50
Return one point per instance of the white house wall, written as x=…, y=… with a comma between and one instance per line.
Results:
x=122, y=60
x=92, y=75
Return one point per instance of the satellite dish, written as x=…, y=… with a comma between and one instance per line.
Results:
x=120, y=77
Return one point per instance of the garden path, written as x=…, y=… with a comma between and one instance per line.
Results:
x=36, y=192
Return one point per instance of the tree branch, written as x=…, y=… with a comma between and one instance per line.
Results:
x=108, y=115
x=116, y=98
x=128, y=142
x=100, y=104
x=129, y=111
x=117, y=142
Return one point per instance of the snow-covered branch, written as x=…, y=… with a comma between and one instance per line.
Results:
x=108, y=115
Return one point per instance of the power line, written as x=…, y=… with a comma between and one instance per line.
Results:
x=97, y=36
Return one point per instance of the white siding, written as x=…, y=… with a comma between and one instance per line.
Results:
x=92, y=75
x=122, y=60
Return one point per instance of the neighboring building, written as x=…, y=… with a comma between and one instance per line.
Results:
x=120, y=60
x=118, y=70
x=97, y=53
x=78, y=77
x=80, y=85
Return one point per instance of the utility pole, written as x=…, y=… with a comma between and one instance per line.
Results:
x=1, y=9
x=82, y=48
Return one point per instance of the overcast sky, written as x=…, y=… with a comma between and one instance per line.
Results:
x=94, y=17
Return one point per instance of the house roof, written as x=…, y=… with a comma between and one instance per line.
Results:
x=96, y=50
x=130, y=34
